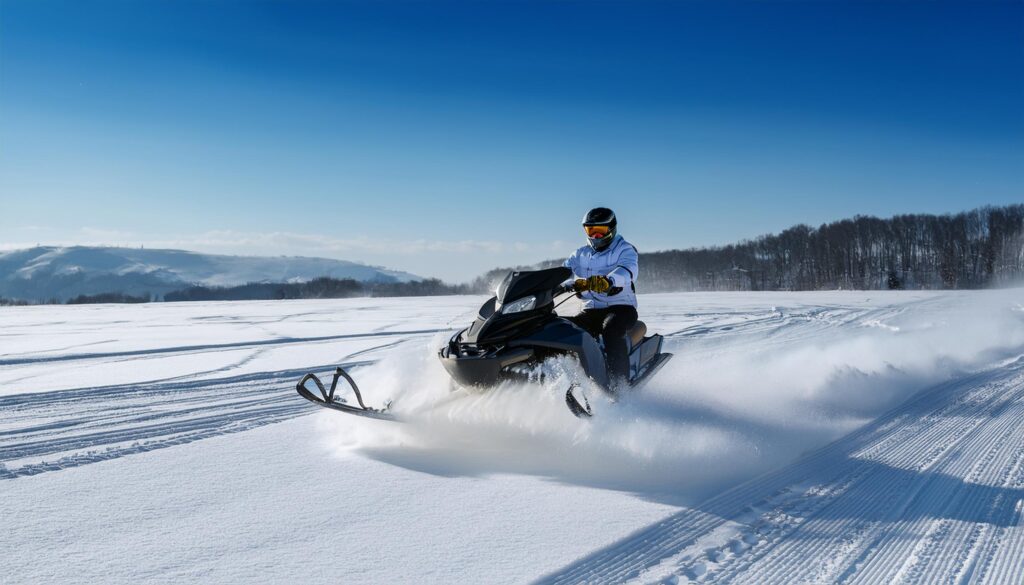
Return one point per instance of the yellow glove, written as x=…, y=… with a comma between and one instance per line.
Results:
x=580, y=285
x=598, y=284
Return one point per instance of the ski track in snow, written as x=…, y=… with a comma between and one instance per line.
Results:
x=208, y=347
x=98, y=424
x=931, y=491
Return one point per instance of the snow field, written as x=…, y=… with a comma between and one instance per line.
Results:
x=927, y=493
x=882, y=431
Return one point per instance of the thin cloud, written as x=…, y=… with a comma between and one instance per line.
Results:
x=452, y=260
x=320, y=244
x=260, y=243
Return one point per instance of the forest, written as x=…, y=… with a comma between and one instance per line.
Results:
x=973, y=249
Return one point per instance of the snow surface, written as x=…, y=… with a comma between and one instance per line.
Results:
x=795, y=437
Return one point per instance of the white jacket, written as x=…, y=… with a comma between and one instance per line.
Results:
x=618, y=262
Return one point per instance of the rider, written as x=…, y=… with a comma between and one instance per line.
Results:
x=605, y=270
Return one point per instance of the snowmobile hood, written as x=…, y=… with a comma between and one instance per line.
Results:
x=517, y=285
x=492, y=325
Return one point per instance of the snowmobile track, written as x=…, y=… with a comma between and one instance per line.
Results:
x=931, y=492
x=89, y=425
x=210, y=347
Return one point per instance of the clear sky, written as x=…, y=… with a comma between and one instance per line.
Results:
x=449, y=138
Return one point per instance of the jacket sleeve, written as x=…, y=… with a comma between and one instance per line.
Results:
x=572, y=263
x=626, y=269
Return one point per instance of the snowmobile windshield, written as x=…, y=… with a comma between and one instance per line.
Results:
x=520, y=284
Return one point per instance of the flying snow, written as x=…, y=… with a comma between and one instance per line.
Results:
x=749, y=388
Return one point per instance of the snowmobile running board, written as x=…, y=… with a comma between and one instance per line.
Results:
x=583, y=410
x=327, y=399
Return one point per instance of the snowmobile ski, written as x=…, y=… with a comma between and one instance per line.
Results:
x=581, y=408
x=577, y=408
x=327, y=398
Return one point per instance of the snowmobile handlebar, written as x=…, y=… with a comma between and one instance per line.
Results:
x=562, y=290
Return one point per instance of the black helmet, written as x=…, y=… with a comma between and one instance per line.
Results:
x=597, y=218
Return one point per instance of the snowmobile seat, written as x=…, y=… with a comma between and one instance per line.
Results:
x=636, y=333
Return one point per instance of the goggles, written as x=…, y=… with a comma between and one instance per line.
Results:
x=596, y=231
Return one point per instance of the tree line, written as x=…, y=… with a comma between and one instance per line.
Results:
x=973, y=249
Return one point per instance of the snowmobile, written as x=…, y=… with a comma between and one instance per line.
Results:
x=514, y=331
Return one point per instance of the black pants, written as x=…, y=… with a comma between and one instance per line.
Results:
x=612, y=323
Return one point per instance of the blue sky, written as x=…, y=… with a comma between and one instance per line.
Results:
x=449, y=138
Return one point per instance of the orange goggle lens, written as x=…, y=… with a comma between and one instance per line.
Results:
x=596, y=231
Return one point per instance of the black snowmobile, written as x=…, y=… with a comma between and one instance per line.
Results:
x=514, y=332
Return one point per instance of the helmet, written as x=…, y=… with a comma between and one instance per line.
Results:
x=603, y=222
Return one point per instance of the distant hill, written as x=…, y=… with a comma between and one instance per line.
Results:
x=44, y=273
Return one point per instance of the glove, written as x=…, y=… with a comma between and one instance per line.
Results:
x=598, y=284
x=580, y=285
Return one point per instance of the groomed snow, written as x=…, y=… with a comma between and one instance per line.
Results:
x=164, y=442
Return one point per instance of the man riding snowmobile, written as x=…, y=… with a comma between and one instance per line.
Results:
x=518, y=329
x=605, y=271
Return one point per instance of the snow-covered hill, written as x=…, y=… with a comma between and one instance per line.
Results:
x=43, y=273
x=850, y=437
